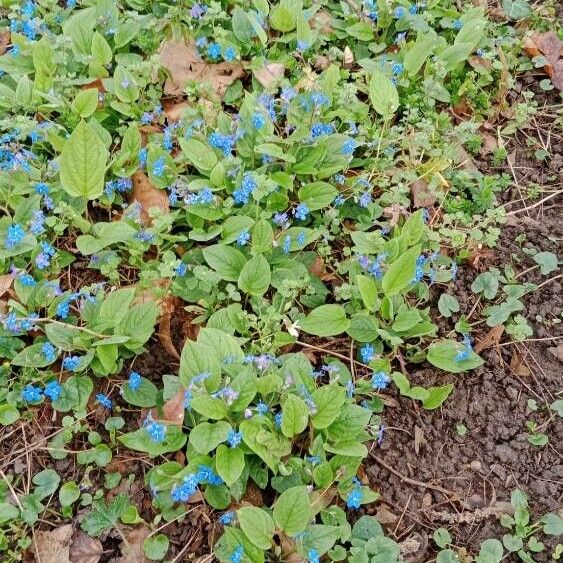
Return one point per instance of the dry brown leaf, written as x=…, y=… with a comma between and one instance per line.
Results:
x=172, y=410
x=253, y=495
x=466, y=161
x=393, y=212
x=54, y=546
x=518, y=366
x=5, y=283
x=132, y=548
x=317, y=268
x=174, y=109
x=270, y=75
x=385, y=516
x=148, y=196
x=490, y=144
x=95, y=84
x=5, y=40
x=551, y=47
x=164, y=335
x=492, y=338
x=183, y=62
x=421, y=195
x=322, y=21
x=85, y=549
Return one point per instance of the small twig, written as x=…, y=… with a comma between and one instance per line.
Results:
x=330, y=353
x=410, y=481
x=549, y=281
x=537, y=204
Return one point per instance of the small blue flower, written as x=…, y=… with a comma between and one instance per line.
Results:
x=159, y=167
x=349, y=146
x=237, y=555
x=49, y=352
x=104, y=400
x=63, y=309
x=281, y=219
x=262, y=408
x=397, y=68
x=71, y=363
x=380, y=380
x=181, y=269
x=14, y=235
x=227, y=518
x=134, y=381
x=313, y=556
x=286, y=247
x=367, y=353
x=155, y=430
x=214, y=51
x=365, y=199
x=413, y=9
x=201, y=42
x=27, y=279
x=300, y=238
x=53, y=390
x=182, y=492
x=464, y=354
x=301, y=212
x=313, y=459
x=143, y=154
x=234, y=438
x=188, y=397
x=302, y=46
x=243, y=237
x=36, y=226
x=399, y=12
x=258, y=120
x=207, y=476
x=278, y=419
x=340, y=179
x=197, y=11
x=31, y=394
x=230, y=54
x=354, y=498
x=457, y=24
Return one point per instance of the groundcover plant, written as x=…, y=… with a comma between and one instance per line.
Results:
x=273, y=201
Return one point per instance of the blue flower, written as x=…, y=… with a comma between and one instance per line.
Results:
x=198, y=11
x=49, y=352
x=207, y=476
x=159, y=166
x=27, y=279
x=104, y=400
x=397, y=68
x=354, y=498
x=53, y=390
x=380, y=380
x=454, y=271
x=281, y=219
x=313, y=556
x=258, y=120
x=227, y=518
x=43, y=259
x=466, y=351
x=214, y=51
x=243, y=193
x=365, y=199
x=134, y=381
x=36, y=226
x=262, y=408
x=63, y=309
x=319, y=99
x=31, y=394
x=14, y=235
x=413, y=9
x=399, y=12
x=181, y=269
x=155, y=430
x=340, y=179
x=278, y=419
x=234, y=438
x=182, y=492
x=243, y=237
x=223, y=142
x=286, y=247
x=367, y=353
x=201, y=42
x=143, y=154
x=300, y=238
x=71, y=363
x=320, y=129
x=313, y=459
x=348, y=147
x=230, y=54
x=457, y=24
x=188, y=396
x=301, y=212
x=338, y=200
x=302, y=45
x=237, y=555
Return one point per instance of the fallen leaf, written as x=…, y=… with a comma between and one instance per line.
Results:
x=148, y=196
x=5, y=283
x=289, y=550
x=322, y=21
x=385, y=516
x=184, y=63
x=173, y=410
x=490, y=144
x=174, y=109
x=132, y=547
x=421, y=195
x=5, y=40
x=253, y=495
x=317, y=268
x=393, y=212
x=551, y=47
x=462, y=109
x=466, y=161
x=85, y=549
x=167, y=307
x=518, y=366
x=54, y=546
x=492, y=338
x=270, y=75
x=95, y=84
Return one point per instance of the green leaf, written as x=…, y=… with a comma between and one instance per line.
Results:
x=255, y=276
x=210, y=407
x=75, y=394
x=83, y=163
x=295, y=416
x=104, y=517
x=366, y=527
x=516, y=9
x=141, y=441
x=443, y=355
x=206, y=436
x=8, y=414
x=292, y=510
x=491, y=552
x=145, y=396
x=100, y=455
x=257, y=526
x=46, y=482
x=262, y=236
x=552, y=524
x=401, y=272
x=547, y=262
x=442, y=537
x=227, y=261
x=326, y=320
x=361, y=30
x=229, y=463
x=199, y=154
x=8, y=512
x=69, y=493
x=86, y=102
x=328, y=401
x=383, y=94
x=368, y=291
x=436, y=396
x=282, y=19
x=486, y=283
x=419, y=53
x=317, y=195
x=32, y=357
x=155, y=547
x=448, y=304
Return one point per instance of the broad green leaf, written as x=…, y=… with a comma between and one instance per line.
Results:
x=401, y=272
x=83, y=163
x=383, y=94
x=155, y=547
x=86, y=102
x=145, y=396
x=229, y=463
x=8, y=414
x=69, y=493
x=292, y=510
x=206, y=436
x=199, y=154
x=227, y=261
x=295, y=416
x=257, y=525
x=255, y=276
x=326, y=320
x=328, y=401
x=443, y=355
x=32, y=356
x=262, y=236
x=436, y=396
x=141, y=441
